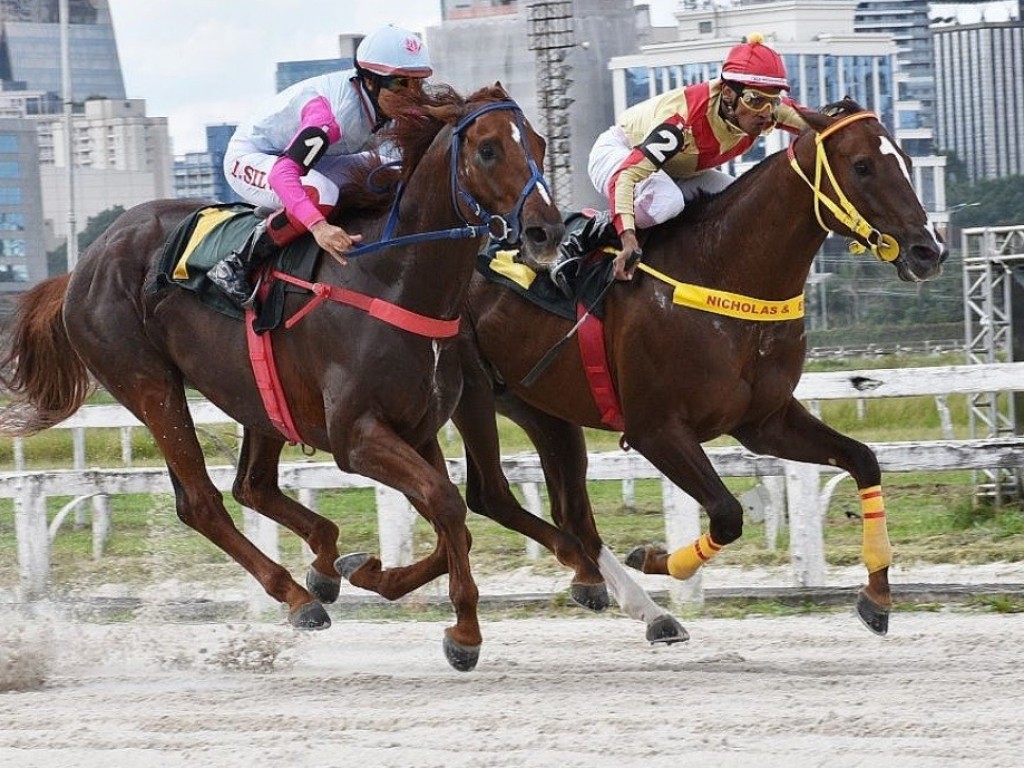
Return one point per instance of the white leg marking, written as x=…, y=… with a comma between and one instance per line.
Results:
x=630, y=596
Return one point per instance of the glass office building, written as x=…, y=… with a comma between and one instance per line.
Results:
x=22, y=251
x=30, y=36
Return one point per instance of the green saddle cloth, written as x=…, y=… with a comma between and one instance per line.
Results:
x=213, y=233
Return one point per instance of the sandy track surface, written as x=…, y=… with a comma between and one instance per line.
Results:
x=944, y=689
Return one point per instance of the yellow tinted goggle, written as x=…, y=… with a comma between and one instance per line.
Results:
x=759, y=101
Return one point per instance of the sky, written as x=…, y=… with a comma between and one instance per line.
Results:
x=204, y=62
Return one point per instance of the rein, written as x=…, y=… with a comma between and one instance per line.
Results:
x=883, y=246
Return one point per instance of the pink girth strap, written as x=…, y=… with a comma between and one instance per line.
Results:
x=595, y=365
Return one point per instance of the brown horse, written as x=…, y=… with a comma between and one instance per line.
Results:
x=685, y=374
x=371, y=394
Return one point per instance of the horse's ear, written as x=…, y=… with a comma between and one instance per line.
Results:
x=499, y=87
x=446, y=113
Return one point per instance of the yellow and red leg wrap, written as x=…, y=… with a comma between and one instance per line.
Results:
x=685, y=561
x=877, y=551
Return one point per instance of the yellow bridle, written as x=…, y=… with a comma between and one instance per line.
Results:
x=883, y=246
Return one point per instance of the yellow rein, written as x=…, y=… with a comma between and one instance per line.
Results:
x=883, y=246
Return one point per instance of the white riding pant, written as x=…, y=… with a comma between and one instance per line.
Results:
x=657, y=198
x=247, y=170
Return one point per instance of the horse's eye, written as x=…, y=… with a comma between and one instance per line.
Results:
x=487, y=153
x=862, y=168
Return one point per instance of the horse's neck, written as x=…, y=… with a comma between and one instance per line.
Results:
x=761, y=242
x=429, y=276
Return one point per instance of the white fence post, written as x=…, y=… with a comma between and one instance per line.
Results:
x=100, y=524
x=33, y=538
x=805, y=524
x=395, y=520
x=533, y=504
x=682, y=527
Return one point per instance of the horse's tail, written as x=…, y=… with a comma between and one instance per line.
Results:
x=43, y=375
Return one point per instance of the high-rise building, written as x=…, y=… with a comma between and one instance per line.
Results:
x=22, y=252
x=481, y=41
x=119, y=155
x=907, y=22
x=30, y=48
x=979, y=90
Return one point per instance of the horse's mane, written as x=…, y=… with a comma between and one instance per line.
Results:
x=707, y=205
x=419, y=118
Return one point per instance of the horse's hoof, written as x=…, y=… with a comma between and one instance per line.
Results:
x=635, y=558
x=872, y=615
x=667, y=630
x=324, y=588
x=310, y=616
x=462, y=657
x=593, y=597
x=348, y=564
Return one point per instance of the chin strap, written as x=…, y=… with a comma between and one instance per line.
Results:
x=881, y=245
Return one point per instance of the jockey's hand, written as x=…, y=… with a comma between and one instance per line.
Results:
x=335, y=240
x=624, y=266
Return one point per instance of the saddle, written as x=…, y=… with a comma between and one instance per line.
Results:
x=212, y=233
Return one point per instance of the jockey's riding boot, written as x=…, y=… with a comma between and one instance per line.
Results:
x=597, y=232
x=230, y=275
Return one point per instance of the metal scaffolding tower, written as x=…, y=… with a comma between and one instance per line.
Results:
x=993, y=260
x=550, y=32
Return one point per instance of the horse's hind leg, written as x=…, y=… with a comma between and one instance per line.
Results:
x=373, y=450
x=158, y=400
x=256, y=486
x=793, y=433
x=563, y=456
x=488, y=494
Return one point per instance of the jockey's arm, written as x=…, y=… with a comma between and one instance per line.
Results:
x=788, y=117
x=661, y=144
x=316, y=132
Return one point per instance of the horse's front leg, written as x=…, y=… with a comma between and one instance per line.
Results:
x=793, y=433
x=674, y=449
x=372, y=449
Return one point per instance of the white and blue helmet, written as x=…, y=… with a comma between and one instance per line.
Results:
x=393, y=52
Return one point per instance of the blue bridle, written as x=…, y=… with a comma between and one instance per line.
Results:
x=509, y=226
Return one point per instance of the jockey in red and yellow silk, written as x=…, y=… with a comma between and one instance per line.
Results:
x=663, y=152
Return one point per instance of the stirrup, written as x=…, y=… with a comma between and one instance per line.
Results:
x=559, y=278
x=250, y=303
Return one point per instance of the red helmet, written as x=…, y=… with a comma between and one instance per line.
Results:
x=755, y=64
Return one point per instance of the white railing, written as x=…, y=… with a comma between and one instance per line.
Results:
x=791, y=493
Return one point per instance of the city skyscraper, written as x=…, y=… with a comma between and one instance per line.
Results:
x=30, y=36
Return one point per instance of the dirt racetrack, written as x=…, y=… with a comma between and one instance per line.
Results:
x=944, y=689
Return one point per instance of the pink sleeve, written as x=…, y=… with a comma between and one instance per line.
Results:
x=286, y=176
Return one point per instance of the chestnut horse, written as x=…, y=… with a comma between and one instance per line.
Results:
x=683, y=371
x=372, y=394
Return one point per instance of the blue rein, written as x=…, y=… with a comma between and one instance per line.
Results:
x=507, y=232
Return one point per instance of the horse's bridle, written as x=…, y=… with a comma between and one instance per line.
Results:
x=880, y=244
x=508, y=232
x=509, y=226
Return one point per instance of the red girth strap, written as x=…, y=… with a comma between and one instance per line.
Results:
x=595, y=364
x=261, y=353
x=392, y=314
x=261, y=350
